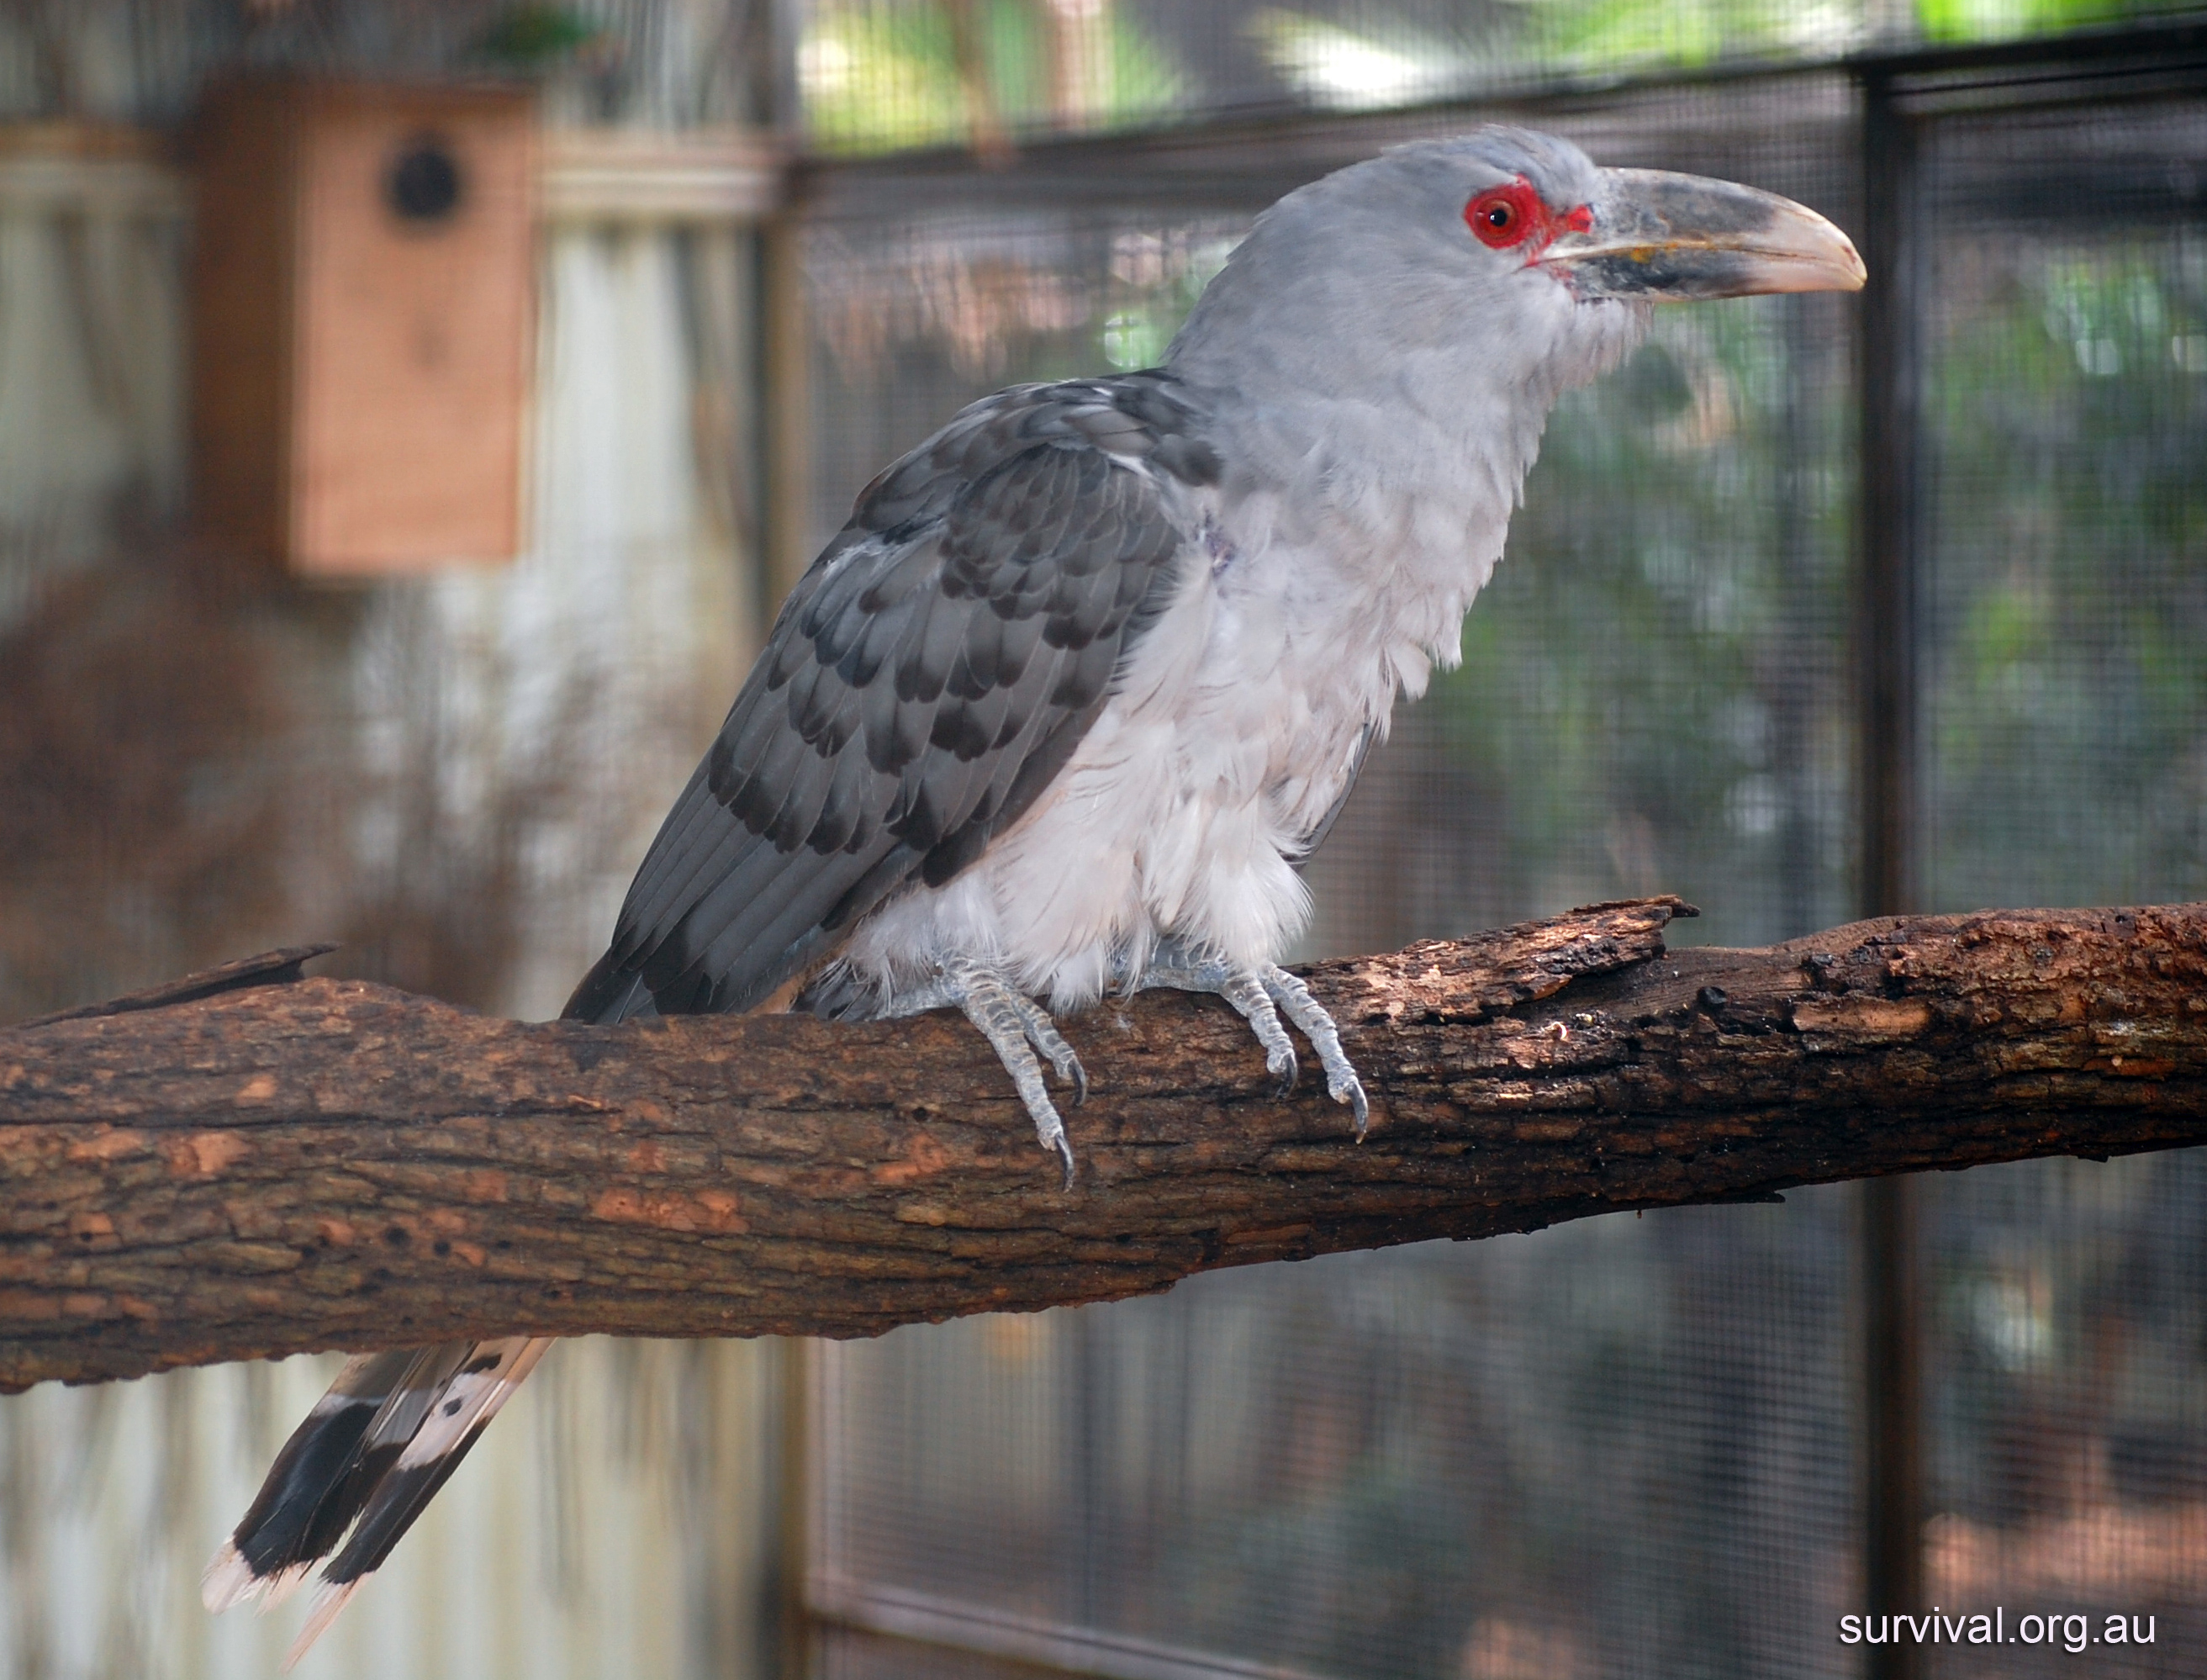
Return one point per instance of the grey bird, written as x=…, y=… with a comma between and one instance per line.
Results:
x=1091, y=670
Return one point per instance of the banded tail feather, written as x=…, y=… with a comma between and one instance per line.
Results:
x=360, y=1467
x=365, y=1462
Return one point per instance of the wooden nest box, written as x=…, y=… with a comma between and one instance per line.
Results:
x=363, y=281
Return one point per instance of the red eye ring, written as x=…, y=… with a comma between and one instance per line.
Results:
x=1506, y=216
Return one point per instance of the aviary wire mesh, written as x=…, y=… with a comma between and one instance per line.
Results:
x=1620, y=1448
x=1627, y=1446
x=2065, y=732
x=878, y=75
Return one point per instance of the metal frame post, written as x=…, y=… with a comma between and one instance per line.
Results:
x=1887, y=621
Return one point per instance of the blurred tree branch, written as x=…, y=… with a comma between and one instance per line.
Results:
x=252, y=1163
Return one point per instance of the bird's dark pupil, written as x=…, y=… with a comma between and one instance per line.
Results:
x=1499, y=217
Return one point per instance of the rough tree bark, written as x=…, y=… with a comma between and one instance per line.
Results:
x=204, y=1173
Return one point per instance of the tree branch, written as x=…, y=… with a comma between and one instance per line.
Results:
x=252, y=1163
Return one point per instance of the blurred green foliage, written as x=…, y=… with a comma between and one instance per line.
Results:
x=1594, y=35
x=1652, y=684
x=534, y=37
x=1653, y=691
x=879, y=77
x=886, y=75
x=1997, y=20
x=1144, y=317
x=2068, y=664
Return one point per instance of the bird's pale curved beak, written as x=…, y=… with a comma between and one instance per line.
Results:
x=1667, y=238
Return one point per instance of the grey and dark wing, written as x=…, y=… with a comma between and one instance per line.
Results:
x=927, y=678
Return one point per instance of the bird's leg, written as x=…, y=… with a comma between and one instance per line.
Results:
x=1260, y=995
x=1016, y=1027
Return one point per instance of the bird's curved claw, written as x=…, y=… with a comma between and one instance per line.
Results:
x=1351, y=1091
x=1297, y=1003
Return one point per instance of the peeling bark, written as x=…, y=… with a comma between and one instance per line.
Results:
x=250, y=1164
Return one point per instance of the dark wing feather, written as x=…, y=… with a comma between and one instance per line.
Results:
x=927, y=678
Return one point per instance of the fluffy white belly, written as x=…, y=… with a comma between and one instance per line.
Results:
x=1226, y=744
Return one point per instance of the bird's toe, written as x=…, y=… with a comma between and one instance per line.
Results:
x=1016, y=1027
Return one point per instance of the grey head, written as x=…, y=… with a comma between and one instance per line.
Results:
x=1510, y=237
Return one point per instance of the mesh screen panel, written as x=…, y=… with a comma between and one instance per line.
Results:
x=1653, y=692
x=855, y=1656
x=1616, y=1448
x=882, y=74
x=2065, y=737
x=2067, y=704
x=1629, y=1446
x=2069, y=1423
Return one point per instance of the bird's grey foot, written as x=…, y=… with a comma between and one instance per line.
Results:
x=1016, y=1027
x=1296, y=1002
x=1260, y=996
x=1245, y=990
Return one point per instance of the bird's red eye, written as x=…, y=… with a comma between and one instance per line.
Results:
x=1502, y=216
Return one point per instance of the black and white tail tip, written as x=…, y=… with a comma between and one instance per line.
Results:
x=360, y=1468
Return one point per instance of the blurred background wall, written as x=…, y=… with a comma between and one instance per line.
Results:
x=453, y=773
x=1618, y=1447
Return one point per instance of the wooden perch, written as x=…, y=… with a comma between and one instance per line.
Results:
x=251, y=1164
